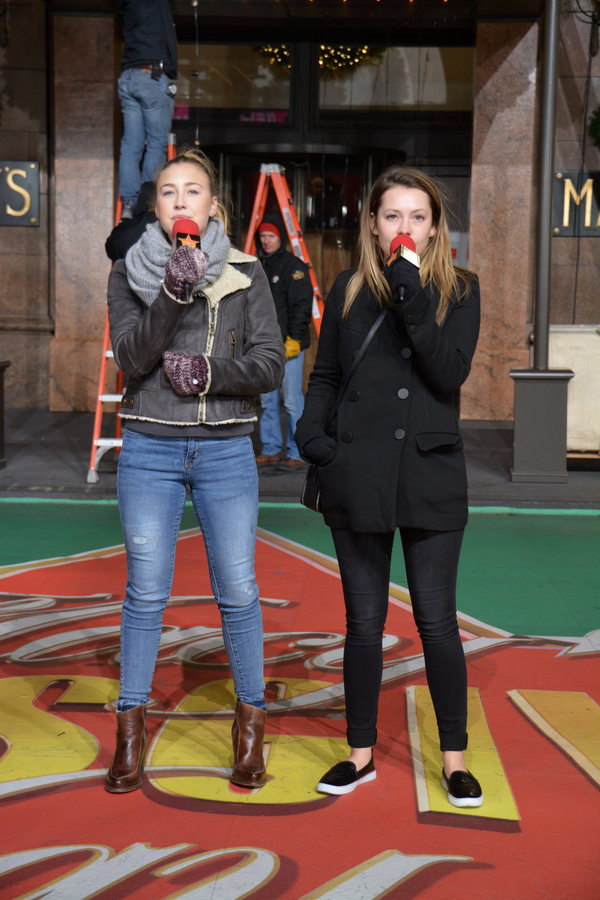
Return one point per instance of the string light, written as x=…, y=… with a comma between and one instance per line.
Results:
x=332, y=59
x=278, y=55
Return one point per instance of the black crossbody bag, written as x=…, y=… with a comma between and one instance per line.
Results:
x=311, y=490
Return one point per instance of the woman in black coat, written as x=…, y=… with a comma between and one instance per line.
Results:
x=391, y=456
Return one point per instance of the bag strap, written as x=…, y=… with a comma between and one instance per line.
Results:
x=357, y=358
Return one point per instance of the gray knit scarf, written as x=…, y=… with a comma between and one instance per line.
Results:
x=146, y=260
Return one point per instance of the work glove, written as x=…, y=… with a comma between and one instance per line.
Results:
x=292, y=348
x=188, y=264
x=320, y=450
x=187, y=374
x=404, y=279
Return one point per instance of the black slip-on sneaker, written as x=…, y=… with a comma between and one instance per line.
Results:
x=463, y=789
x=344, y=777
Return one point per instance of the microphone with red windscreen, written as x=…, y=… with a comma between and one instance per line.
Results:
x=186, y=234
x=403, y=245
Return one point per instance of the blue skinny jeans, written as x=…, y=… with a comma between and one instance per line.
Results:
x=152, y=478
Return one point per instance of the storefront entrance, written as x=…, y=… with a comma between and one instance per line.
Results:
x=328, y=191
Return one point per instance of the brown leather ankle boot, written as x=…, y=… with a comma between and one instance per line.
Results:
x=125, y=773
x=247, y=736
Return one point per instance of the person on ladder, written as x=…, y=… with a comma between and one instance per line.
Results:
x=292, y=291
x=149, y=65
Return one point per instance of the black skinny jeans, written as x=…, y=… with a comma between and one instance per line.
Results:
x=431, y=559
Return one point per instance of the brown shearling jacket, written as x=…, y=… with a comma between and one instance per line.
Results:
x=232, y=322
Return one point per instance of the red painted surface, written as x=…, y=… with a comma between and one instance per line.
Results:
x=551, y=853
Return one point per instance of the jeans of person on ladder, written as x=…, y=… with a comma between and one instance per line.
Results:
x=147, y=114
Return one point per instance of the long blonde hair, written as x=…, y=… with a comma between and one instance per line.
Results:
x=194, y=155
x=436, y=261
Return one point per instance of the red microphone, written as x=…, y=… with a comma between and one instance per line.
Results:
x=185, y=234
x=402, y=240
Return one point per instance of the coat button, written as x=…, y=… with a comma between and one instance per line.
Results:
x=354, y=396
x=406, y=353
x=398, y=434
x=412, y=329
x=410, y=319
x=403, y=393
x=347, y=437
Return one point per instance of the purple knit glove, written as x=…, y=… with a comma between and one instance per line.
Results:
x=187, y=264
x=187, y=374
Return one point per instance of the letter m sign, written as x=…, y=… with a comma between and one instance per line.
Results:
x=576, y=204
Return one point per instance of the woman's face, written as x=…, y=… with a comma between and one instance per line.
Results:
x=183, y=192
x=407, y=211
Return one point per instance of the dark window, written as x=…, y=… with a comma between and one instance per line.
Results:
x=232, y=84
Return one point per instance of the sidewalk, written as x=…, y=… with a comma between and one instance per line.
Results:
x=48, y=455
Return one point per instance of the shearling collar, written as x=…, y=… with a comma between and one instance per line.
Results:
x=230, y=279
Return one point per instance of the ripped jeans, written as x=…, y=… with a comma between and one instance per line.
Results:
x=151, y=482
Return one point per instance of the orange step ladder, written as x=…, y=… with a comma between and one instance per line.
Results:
x=101, y=444
x=271, y=172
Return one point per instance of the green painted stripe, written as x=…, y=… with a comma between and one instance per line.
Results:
x=283, y=506
x=58, y=500
x=473, y=510
x=528, y=511
x=494, y=510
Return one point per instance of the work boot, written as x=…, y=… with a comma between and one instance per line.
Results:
x=125, y=773
x=247, y=736
x=127, y=209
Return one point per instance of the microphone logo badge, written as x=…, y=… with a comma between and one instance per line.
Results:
x=186, y=233
x=187, y=241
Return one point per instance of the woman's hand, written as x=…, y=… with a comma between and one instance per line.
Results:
x=320, y=450
x=188, y=374
x=187, y=265
x=404, y=279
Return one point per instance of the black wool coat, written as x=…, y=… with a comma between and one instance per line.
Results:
x=399, y=458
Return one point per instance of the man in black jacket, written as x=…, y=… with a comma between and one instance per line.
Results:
x=292, y=291
x=148, y=63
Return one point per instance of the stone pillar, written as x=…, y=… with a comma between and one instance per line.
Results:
x=25, y=322
x=84, y=103
x=502, y=227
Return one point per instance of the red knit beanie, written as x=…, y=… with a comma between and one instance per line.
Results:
x=269, y=226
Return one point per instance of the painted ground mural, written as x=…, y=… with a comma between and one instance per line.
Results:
x=531, y=591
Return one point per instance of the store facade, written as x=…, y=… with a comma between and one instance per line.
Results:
x=333, y=95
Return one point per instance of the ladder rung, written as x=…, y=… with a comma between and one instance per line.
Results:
x=111, y=398
x=109, y=442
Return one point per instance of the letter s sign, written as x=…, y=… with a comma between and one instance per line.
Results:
x=19, y=193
